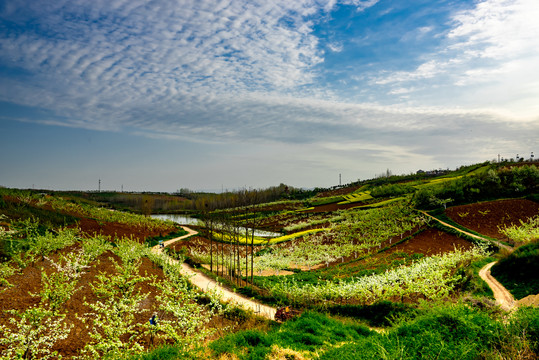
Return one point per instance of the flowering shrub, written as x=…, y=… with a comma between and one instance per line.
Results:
x=32, y=334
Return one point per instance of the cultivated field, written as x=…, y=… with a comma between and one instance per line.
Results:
x=80, y=281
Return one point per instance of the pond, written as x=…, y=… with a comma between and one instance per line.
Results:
x=187, y=220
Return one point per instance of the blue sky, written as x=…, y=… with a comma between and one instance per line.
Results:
x=167, y=94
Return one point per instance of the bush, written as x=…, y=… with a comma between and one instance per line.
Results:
x=166, y=353
x=518, y=271
x=249, y=342
x=237, y=314
x=379, y=314
x=391, y=190
x=491, y=184
x=444, y=332
x=526, y=321
x=309, y=332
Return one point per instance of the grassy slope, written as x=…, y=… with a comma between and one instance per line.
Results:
x=518, y=271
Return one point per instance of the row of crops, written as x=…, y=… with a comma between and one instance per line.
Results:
x=111, y=311
x=431, y=278
x=81, y=209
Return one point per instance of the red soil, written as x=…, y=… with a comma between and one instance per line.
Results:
x=487, y=217
x=29, y=281
x=115, y=230
x=432, y=242
x=483, y=218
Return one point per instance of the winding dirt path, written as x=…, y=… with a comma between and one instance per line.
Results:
x=502, y=296
x=207, y=284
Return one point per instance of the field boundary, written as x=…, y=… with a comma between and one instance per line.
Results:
x=467, y=233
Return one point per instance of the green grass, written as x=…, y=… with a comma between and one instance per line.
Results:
x=45, y=218
x=380, y=203
x=449, y=331
x=380, y=314
x=437, y=181
x=310, y=332
x=442, y=333
x=325, y=200
x=356, y=197
x=518, y=271
x=167, y=352
x=433, y=331
x=474, y=284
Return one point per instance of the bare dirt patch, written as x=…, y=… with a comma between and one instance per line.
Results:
x=487, y=217
x=29, y=281
x=432, y=242
x=115, y=230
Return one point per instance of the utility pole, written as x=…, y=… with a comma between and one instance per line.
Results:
x=99, y=186
x=339, y=179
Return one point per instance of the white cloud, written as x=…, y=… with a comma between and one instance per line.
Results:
x=335, y=47
x=218, y=71
x=490, y=48
x=128, y=51
x=361, y=4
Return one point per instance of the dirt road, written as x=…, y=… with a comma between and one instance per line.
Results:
x=502, y=296
x=205, y=283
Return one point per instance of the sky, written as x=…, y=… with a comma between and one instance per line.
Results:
x=158, y=95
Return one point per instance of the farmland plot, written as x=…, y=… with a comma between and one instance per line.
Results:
x=489, y=217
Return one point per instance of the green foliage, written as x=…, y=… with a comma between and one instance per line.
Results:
x=443, y=332
x=433, y=277
x=526, y=232
x=391, y=190
x=518, y=271
x=20, y=208
x=114, y=332
x=167, y=352
x=382, y=313
x=27, y=236
x=94, y=246
x=324, y=200
x=32, y=333
x=57, y=289
x=44, y=244
x=526, y=321
x=129, y=250
x=182, y=319
x=6, y=270
x=354, y=233
x=483, y=185
x=309, y=332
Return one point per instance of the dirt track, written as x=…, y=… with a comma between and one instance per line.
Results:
x=502, y=296
x=205, y=283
